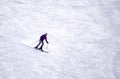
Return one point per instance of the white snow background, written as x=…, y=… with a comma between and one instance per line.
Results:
x=83, y=35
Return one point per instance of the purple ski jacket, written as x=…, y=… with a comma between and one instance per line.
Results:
x=43, y=37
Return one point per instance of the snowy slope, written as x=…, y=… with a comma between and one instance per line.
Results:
x=83, y=37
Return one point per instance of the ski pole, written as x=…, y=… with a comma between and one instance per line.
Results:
x=34, y=42
x=47, y=46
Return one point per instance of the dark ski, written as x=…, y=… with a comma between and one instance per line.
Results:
x=41, y=50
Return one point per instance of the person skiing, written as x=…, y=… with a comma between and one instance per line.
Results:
x=42, y=38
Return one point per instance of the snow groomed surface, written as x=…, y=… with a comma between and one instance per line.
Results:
x=83, y=37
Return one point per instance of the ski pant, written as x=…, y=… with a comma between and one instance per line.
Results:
x=39, y=44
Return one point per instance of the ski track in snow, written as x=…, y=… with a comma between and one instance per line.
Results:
x=83, y=42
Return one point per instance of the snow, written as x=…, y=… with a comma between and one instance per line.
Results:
x=83, y=39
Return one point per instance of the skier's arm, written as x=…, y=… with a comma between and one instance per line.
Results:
x=46, y=40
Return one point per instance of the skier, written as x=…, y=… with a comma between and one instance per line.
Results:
x=42, y=38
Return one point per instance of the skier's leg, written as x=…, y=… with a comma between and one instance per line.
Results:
x=41, y=45
x=38, y=44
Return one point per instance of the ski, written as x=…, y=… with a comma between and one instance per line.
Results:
x=35, y=48
x=41, y=50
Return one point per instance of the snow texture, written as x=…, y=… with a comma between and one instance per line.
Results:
x=83, y=35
